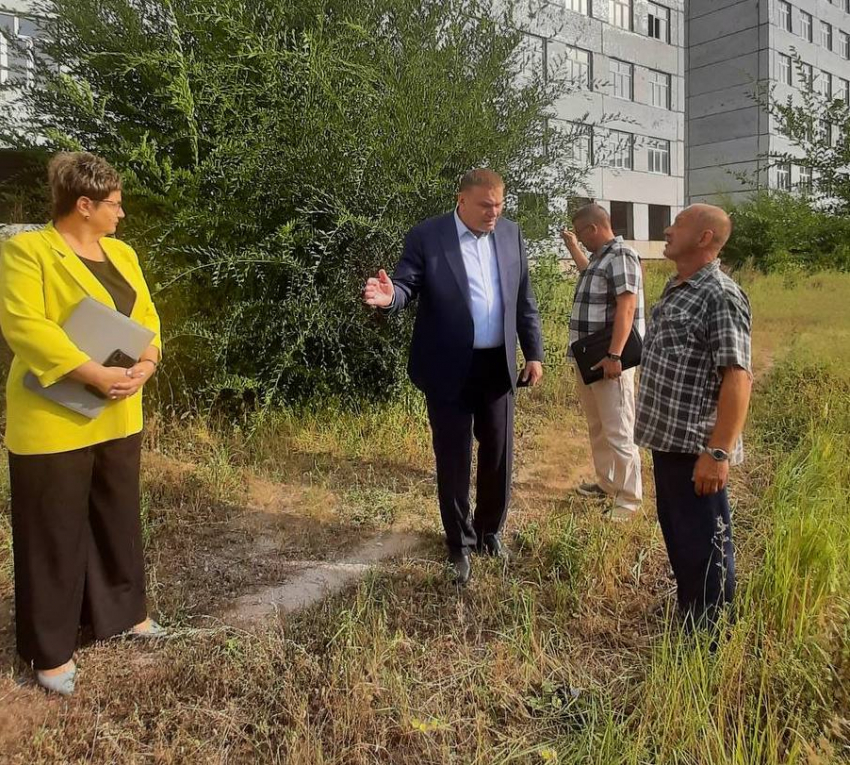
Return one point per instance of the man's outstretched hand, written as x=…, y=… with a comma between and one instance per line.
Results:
x=379, y=291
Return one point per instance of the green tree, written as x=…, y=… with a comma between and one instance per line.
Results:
x=816, y=127
x=275, y=152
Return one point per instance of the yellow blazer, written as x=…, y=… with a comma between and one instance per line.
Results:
x=41, y=282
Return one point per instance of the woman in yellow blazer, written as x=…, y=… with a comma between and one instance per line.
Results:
x=76, y=530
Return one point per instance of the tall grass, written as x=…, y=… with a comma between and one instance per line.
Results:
x=571, y=654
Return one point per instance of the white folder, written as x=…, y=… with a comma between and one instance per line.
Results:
x=98, y=331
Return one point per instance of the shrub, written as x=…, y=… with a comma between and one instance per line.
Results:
x=275, y=153
x=776, y=231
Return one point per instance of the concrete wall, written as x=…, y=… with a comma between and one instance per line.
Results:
x=726, y=58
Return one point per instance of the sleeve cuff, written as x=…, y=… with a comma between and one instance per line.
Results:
x=729, y=361
x=56, y=373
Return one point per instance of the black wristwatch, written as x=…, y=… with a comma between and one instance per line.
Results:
x=614, y=356
x=717, y=454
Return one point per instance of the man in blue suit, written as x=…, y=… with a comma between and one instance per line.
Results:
x=469, y=270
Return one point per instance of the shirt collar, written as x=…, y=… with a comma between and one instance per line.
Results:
x=462, y=228
x=696, y=280
x=601, y=251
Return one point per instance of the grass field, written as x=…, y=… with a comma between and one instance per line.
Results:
x=568, y=655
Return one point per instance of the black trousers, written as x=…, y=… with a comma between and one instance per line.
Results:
x=77, y=547
x=698, y=534
x=485, y=410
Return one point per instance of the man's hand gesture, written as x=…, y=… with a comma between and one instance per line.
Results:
x=570, y=239
x=379, y=292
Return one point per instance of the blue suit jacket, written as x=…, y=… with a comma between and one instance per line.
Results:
x=432, y=270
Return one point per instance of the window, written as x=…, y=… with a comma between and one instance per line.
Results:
x=579, y=139
x=808, y=75
x=824, y=132
x=16, y=48
x=658, y=22
x=530, y=53
x=620, y=13
x=824, y=84
x=622, y=77
x=842, y=90
x=574, y=63
x=785, y=15
x=805, y=184
x=785, y=69
x=826, y=35
x=620, y=149
x=658, y=155
x=844, y=45
x=783, y=177
x=581, y=148
x=7, y=31
x=623, y=219
x=659, y=89
x=659, y=222
x=806, y=26
x=579, y=6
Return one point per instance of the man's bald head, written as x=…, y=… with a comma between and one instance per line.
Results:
x=713, y=219
x=697, y=235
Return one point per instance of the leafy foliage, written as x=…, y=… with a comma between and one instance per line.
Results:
x=274, y=154
x=776, y=231
x=816, y=128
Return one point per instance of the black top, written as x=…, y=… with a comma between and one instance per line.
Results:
x=122, y=294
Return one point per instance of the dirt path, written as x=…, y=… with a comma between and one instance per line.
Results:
x=270, y=550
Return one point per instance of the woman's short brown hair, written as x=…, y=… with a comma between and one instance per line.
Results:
x=79, y=174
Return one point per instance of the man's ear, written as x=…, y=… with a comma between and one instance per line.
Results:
x=706, y=238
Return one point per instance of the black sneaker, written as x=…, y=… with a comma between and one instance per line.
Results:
x=591, y=490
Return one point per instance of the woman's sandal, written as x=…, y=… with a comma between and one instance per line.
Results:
x=62, y=683
x=152, y=631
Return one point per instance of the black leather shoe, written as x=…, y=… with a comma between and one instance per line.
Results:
x=493, y=546
x=461, y=566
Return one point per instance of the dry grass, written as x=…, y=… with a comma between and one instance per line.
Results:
x=402, y=667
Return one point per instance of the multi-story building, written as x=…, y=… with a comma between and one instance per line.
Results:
x=16, y=68
x=16, y=25
x=734, y=49
x=629, y=57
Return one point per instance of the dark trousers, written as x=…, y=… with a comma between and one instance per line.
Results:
x=485, y=410
x=77, y=547
x=698, y=534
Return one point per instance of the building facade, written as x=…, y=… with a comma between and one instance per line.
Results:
x=629, y=57
x=733, y=49
x=15, y=25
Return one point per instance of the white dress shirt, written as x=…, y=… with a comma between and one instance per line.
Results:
x=485, y=291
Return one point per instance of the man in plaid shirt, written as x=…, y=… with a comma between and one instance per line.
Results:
x=692, y=404
x=609, y=293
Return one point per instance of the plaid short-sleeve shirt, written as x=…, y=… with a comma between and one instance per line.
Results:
x=612, y=270
x=698, y=327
